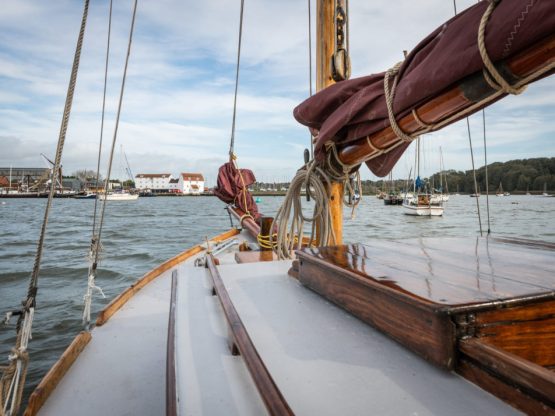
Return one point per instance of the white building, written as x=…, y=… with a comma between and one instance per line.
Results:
x=191, y=183
x=174, y=185
x=156, y=182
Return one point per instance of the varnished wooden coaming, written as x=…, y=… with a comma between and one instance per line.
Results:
x=470, y=307
x=171, y=380
x=242, y=343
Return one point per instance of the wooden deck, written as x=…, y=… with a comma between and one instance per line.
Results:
x=458, y=303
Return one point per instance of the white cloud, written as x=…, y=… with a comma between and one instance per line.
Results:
x=178, y=101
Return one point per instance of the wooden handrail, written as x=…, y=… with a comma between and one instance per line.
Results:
x=271, y=396
x=171, y=384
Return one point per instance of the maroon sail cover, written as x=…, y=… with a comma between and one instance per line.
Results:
x=353, y=109
x=232, y=188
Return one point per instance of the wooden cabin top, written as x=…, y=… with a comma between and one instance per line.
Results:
x=448, y=274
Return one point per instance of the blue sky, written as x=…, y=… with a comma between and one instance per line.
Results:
x=179, y=94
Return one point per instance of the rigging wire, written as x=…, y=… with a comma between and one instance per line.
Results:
x=472, y=158
x=103, y=113
x=474, y=176
x=110, y=160
x=13, y=377
x=486, y=164
x=232, y=141
x=95, y=246
x=310, y=71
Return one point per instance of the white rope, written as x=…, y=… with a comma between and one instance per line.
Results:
x=290, y=237
x=19, y=360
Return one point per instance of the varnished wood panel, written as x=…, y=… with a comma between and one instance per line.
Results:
x=527, y=331
x=506, y=392
x=537, y=381
x=428, y=334
x=454, y=274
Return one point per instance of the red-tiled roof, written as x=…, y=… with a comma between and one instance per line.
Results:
x=192, y=176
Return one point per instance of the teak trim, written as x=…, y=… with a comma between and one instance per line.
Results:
x=271, y=396
x=530, y=377
x=51, y=380
x=171, y=385
x=127, y=294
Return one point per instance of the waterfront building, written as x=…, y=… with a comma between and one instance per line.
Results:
x=156, y=182
x=174, y=186
x=191, y=183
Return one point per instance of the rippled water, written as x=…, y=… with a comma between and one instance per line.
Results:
x=141, y=234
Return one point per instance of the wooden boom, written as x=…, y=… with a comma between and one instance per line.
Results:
x=452, y=101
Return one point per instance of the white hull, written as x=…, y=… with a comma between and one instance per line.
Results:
x=424, y=205
x=423, y=210
x=120, y=197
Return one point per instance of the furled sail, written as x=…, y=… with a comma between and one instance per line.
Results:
x=232, y=188
x=351, y=111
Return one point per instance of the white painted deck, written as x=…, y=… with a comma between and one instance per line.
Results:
x=122, y=369
x=325, y=361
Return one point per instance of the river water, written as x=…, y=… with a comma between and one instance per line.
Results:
x=139, y=235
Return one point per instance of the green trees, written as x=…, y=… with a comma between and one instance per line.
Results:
x=519, y=175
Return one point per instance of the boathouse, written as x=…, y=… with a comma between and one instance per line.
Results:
x=191, y=183
x=156, y=182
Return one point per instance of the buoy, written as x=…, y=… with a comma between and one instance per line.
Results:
x=258, y=200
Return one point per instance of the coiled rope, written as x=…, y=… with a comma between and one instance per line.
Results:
x=13, y=376
x=290, y=218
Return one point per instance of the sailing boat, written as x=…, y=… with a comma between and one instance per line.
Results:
x=392, y=197
x=500, y=191
x=224, y=328
x=545, y=189
x=121, y=194
x=423, y=203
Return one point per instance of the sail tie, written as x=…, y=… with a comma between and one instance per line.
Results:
x=389, y=93
x=490, y=71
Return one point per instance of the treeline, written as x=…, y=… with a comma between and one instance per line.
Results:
x=523, y=175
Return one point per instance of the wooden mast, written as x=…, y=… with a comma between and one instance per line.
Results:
x=325, y=39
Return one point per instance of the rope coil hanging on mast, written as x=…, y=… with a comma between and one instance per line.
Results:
x=14, y=374
x=316, y=178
